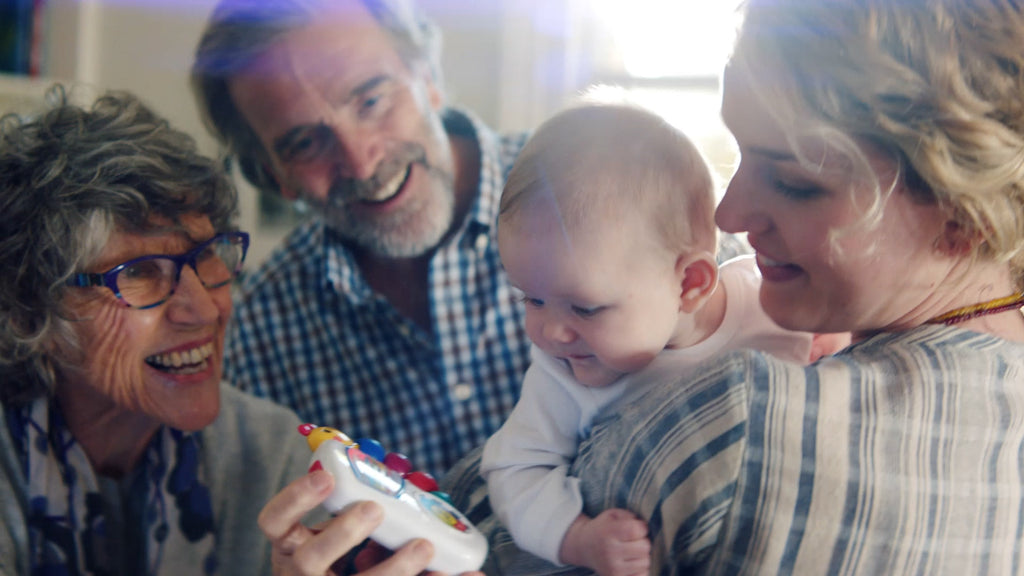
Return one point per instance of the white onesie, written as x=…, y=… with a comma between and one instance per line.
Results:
x=526, y=461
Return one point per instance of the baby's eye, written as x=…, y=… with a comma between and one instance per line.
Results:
x=584, y=312
x=535, y=302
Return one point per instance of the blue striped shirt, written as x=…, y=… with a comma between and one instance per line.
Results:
x=903, y=454
x=310, y=333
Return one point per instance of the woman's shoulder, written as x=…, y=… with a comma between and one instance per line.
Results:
x=716, y=394
x=734, y=373
x=253, y=425
x=237, y=403
x=930, y=350
x=254, y=439
x=251, y=451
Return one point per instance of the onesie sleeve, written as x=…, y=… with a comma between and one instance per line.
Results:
x=526, y=465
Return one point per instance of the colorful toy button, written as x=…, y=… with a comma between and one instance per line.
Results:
x=371, y=448
x=423, y=481
x=398, y=462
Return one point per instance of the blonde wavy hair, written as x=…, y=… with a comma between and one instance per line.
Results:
x=938, y=83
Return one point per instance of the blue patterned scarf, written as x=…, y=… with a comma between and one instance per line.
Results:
x=68, y=524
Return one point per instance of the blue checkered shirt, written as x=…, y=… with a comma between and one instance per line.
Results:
x=310, y=333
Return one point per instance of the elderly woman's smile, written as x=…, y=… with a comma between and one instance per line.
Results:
x=163, y=361
x=187, y=361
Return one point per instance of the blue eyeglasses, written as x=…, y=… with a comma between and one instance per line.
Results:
x=149, y=281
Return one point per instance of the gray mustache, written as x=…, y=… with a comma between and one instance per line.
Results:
x=345, y=190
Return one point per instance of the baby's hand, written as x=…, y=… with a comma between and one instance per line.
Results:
x=612, y=544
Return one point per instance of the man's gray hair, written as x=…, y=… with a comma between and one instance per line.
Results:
x=240, y=31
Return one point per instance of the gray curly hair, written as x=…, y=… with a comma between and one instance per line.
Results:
x=239, y=31
x=72, y=176
x=937, y=83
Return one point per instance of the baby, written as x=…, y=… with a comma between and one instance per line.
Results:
x=606, y=226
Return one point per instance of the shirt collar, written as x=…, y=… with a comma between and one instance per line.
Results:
x=484, y=211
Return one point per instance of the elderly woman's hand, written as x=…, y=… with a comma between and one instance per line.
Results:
x=299, y=550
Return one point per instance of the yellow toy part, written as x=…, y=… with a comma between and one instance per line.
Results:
x=316, y=435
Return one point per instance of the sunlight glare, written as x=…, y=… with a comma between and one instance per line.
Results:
x=659, y=38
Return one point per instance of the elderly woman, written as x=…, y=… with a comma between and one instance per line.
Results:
x=882, y=187
x=122, y=453
x=120, y=450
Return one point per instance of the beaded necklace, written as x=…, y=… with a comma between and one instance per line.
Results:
x=1014, y=301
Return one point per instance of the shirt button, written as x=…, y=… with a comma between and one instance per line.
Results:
x=462, y=391
x=481, y=242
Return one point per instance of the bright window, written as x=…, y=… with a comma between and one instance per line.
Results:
x=669, y=38
x=668, y=56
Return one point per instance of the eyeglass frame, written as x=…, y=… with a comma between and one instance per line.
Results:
x=108, y=279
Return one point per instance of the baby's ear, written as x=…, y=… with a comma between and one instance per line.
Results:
x=698, y=278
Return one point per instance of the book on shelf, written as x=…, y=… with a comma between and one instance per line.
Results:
x=22, y=25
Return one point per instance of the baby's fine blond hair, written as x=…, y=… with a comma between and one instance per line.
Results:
x=602, y=159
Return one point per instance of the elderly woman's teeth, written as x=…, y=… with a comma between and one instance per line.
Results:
x=191, y=357
x=390, y=188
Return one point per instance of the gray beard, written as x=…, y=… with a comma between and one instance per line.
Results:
x=406, y=236
x=413, y=232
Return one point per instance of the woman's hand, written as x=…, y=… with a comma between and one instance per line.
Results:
x=302, y=551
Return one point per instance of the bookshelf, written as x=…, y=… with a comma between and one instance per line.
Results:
x=51, y=36
x=20, y=36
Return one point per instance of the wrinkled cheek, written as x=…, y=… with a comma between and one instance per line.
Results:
x=115, y=367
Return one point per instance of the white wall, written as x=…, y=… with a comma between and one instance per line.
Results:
x=146, y=46
x=512, y=62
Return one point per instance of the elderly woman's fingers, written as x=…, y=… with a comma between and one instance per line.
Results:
x=371, y=555
x=299, y=550
x=409, y=560
x=280, y=519
x=338, y=537
x=374, y=554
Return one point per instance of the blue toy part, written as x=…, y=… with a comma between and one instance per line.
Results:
x=371, y=448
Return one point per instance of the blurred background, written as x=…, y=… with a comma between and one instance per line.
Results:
x=511, y=62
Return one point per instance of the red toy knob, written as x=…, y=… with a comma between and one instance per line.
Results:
x=422, y=480
x=398, y=462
